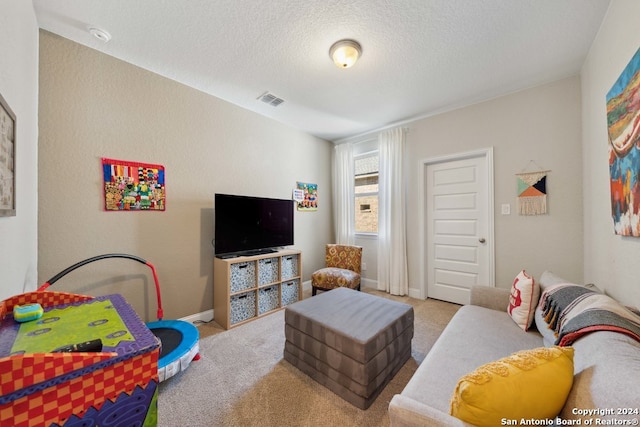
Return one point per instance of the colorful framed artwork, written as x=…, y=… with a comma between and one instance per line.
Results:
x=309, y=200
x=7, y=160
x=133, y=186
x=623, y=127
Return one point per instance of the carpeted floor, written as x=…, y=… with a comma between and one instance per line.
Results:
x=242, y=379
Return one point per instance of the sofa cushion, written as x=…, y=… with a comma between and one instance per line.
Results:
x=530, y=384
x=473, y=337
x=606, y=366
x=525, y=293
x=606, y=371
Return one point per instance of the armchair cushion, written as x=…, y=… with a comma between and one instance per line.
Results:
x=332, y=277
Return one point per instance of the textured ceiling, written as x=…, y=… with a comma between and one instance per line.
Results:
x=420, y=57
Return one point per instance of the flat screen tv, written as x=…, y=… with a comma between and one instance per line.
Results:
x=251, y=225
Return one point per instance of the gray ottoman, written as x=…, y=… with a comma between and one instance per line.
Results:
x=351, y=342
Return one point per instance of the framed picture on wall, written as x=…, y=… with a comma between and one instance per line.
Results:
x=7, y=160
x=623, y=116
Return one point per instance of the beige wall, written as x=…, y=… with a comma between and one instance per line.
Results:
x=19, y=87
x=518, y=130
x=540, y=124
x=92, y=106
x=610, y=261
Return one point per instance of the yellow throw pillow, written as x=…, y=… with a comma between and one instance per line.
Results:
x=529, y=384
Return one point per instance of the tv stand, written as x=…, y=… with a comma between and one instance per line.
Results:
x=248, y=287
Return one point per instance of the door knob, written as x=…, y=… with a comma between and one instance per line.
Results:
x=481, y=240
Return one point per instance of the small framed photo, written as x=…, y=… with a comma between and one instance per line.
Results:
x=7, y=160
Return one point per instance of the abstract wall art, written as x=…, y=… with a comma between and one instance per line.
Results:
x=623, y=126
x=133, y=186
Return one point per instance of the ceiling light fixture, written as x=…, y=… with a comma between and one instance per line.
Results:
x=345, y=53
x=100, y=34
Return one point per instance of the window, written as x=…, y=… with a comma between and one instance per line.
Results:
x=366, y=192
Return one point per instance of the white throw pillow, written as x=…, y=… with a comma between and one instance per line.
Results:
x=525, y=294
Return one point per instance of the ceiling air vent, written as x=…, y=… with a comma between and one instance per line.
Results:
x=270, y=99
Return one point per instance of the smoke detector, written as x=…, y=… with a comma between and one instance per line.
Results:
x=100, y=34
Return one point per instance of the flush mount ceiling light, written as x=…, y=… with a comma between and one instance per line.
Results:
x=345, y=53
x=99, y=33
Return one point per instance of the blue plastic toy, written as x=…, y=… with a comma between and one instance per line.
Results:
x=27, y=312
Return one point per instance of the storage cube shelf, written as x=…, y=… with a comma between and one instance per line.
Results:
x=290, y=292
x=243, y=276
x=268, y=299
x=268, y=271
x=243, y=307
x=247, y=287
x=289, y=267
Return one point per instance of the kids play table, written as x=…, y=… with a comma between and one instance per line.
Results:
x=39, y=387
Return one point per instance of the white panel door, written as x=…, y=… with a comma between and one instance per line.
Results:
x=458, y=231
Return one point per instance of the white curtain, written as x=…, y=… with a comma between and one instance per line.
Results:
x=392, y=242
x=343, y=190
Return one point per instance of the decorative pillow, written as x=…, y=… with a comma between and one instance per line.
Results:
x=525, y=293
x=529, y=384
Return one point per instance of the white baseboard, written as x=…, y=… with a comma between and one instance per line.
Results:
x=204, y=316
x=369, y=283
x=416, y=293
x=373, y=284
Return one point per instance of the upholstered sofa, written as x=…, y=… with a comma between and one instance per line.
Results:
x=606, y=381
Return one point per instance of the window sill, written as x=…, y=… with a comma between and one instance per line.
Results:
x=368, y=236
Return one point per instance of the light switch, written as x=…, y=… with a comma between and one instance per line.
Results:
x=506, y=209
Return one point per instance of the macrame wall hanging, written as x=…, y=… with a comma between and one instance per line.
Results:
x=532, y=192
